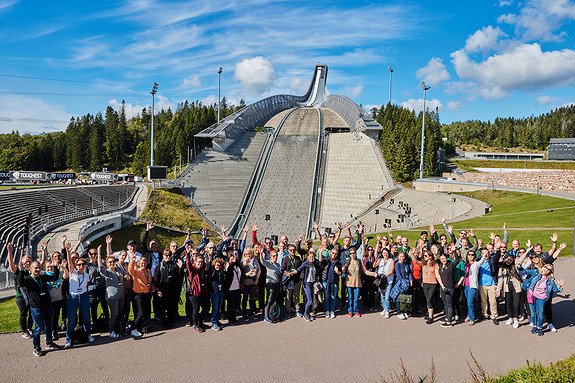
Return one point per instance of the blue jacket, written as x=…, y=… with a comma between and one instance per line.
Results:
x=305, y=267
x=534, y=276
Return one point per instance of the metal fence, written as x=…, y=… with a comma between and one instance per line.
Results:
x=7, y=279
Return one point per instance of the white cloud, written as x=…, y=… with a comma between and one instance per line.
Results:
x=434, y=73
x=454, y=105
x=525, y=67
x=543, y=100
x=160, y=103
x=417, y=105
x=256, y=75
x=29, y=115
x=193, y=82
x=299, y=85
x=353, y=91
x=368, y=108
x=503, y=3
x=210, y=100
x=539, y=20
x=484, y=40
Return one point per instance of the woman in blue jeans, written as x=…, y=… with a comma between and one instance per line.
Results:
x=385, y=267
x=330, y=276
x=354, y=273
x=311, y=272
x=540, y=285
x=470, y=283
x=77, y=298
x=216, y=290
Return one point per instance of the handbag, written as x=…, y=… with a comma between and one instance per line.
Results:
x=254, y=293
x=530, y=296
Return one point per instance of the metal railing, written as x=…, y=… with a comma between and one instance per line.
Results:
x=317, y=179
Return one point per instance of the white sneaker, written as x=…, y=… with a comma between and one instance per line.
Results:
x=531, y=324
x=136, y=333
x=386, y=315
x=552, y=328
x=90, y=338
x=327, y=314
x=382, y=313
x=332, y=315
x=401, y=316
x=516, y=324
x=509, y=322
x=521, y=318
x=68, y=344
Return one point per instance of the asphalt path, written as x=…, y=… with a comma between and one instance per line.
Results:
x=340, y=349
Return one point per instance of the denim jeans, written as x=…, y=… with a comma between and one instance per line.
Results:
x=330, y=291
x=470, y=295
x=42, y=321
x=217, y=301
x=539, y=305
x=353, y=296
x=75, y=302
x=385, y=297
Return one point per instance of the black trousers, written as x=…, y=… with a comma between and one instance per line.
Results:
x=273, y=290
x=57, y=306
x=200, y=308
x=26, y=320
x=143, y=302
x=96, y=297
x=233, y=298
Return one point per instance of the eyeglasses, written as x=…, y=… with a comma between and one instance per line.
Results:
x=111, y=261
x=352, y=252
x=80, y=264
x=92, y=253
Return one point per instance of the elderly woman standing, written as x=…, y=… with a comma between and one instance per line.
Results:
x=114, y=280
x=355, y=270
x=143, y=288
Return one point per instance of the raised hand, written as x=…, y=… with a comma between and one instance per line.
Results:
x=81, y=238
x=255, y=227
x=246, y=229
x=504, y=226
x=561, y=282
x=44, y=246
x=554, y=237
x=64, y=263
x=108, y=239
x=443, y=220
x=450, y=229
x=528, y=244
x=204, y=232
x=189, y=232
x=315, y=225
x=64, y=238
x=378, y=238
x=562, y=246
x=348, y=225
x=431, y=229
x=99, y=250
x=10, y=247
x=471, y=232
x=149, y=225
x=492, y=236
x=340, y=226
x=180, y=263
x=300, y=238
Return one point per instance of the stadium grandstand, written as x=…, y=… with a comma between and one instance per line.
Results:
x=287, y=161
x=26, y=214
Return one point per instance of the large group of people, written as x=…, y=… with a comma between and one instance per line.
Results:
x=442, y=278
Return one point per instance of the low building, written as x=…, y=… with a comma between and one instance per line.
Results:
x=517, y=156
x=561, y=149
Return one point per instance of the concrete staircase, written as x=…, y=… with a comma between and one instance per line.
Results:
x=217, y=181
x=286, y=188
x=355, y=177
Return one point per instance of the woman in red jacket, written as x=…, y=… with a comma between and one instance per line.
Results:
x=198, y=279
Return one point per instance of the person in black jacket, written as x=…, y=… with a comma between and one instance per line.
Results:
x=40, y=304
x=166, y=279
x=232, y=287
x=153, y=256
x=292, y=284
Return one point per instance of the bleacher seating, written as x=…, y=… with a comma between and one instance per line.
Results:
x=35, y=208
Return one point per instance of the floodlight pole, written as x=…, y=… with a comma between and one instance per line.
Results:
x=425, y=89
x=219, y=82
x=390, y=72
x=153, y=93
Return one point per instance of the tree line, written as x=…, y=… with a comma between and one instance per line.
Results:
x=400, y=141
x=112, y=141
x=530, y=132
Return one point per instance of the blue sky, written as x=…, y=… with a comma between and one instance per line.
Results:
x=482, y=59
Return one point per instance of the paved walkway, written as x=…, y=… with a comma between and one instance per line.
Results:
x=326, y=350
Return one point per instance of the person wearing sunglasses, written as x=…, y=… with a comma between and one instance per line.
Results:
x=77, y=297
x=113, y=278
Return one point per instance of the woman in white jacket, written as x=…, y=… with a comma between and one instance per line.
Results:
x=470, y=283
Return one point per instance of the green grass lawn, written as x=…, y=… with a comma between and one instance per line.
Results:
x=9, y=316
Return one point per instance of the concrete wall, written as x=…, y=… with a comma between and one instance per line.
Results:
x=448, y=186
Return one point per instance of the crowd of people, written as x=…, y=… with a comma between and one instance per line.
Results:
x=443, y=278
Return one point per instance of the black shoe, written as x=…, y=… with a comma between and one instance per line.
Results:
x=188, y=324
x=55, y=335
x=495, y=321
x=198, y=329
x=38, y=352
x=53, y=346
x=429, y=320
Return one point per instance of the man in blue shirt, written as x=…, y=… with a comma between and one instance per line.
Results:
x=487, y=284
